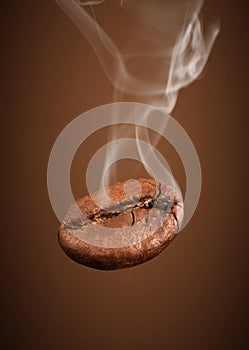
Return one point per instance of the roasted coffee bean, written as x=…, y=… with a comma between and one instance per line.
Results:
x=131, y=230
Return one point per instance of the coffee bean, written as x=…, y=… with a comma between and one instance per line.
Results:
x=129, y=228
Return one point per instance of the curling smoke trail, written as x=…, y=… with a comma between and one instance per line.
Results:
x=180, y=63
x=167, y=34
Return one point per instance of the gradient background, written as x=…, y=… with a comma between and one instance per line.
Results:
x=195, y=294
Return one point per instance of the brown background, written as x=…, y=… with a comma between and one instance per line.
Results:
x=195, y=294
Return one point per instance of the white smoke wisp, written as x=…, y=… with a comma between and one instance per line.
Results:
x=110, y=57
x=189, y=57
x=165, y=50
x=179, y=62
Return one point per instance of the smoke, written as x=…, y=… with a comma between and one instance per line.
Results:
x=164, y=37
x=163, y=48
x=189, y=56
